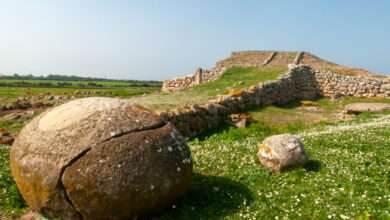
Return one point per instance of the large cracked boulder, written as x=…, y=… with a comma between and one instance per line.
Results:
x=100, y=158
x=281, y=152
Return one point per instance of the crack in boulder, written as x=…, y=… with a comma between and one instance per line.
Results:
x=60, y=184
x=155, y=126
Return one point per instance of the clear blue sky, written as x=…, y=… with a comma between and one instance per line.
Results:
x=167, y=38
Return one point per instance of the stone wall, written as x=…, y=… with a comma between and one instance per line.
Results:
x=178, y=83
x=300, y=82
x=332, y=84
x=236, y=59
x=200, y=76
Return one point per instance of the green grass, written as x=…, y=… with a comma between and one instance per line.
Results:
x=11, y=93
x=12, y=126
x=235, y=77
x=349, y=176
x=291, y=113
x=11, y=202
x=74, y=83
x=327, y=104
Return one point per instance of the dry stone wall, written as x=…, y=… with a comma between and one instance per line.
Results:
x=333, y=84
x=200, y=76
x=178, y=83
x=237, y=59
x=300, y=82
x=242, y=59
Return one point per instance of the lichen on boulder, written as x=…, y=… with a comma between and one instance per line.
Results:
x=100, y=158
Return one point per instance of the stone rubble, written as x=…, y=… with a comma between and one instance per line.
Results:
x=5, y=137
x=239, y=120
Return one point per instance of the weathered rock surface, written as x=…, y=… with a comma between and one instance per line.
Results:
x=100, y=158
x=31, y=216
x=280, y=152
x=240, y=120
x=309, y=103
x=356, y=108
x=336, y=85
x=5, y=137
x=235, y=92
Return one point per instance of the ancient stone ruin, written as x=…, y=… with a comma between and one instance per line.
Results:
x=256, y=59
x=302, y=82
x=308, y=77
x=103, y=158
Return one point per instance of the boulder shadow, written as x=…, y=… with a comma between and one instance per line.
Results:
x=210, y=197
x=313, y=166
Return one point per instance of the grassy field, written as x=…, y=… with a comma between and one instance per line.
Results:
x=347, y=178
x=10, y=89
x=233, y=78
x=71, y=83
x=14, y=92
x=326, y=111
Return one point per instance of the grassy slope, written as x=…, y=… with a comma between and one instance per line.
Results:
x=348, y=178
x=234, y=77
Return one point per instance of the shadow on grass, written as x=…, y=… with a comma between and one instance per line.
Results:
x=313, y=166
x=210, y=197
x=209, y=132
x=293, y=104
x=289, y=105
x=258, y=124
